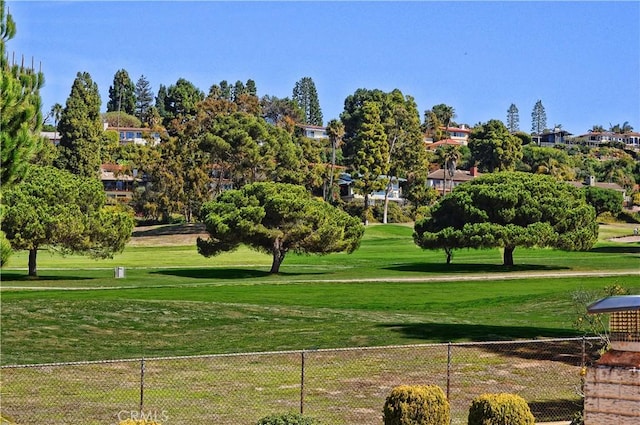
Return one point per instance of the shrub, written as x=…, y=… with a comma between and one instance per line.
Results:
x=500, y=409
x=416, y=405
x=287, y=419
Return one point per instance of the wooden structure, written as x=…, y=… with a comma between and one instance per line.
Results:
x=612, y=386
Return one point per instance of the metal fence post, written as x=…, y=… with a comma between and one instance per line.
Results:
x=302, y=382
x=448, y=368
x=141, y=385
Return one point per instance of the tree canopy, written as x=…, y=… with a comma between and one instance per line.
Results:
x=507, y=210
x=306, y=96
x=81, y=129
x=122, y=94
x=20, y=109
x=277, y=218
x=59, y=210
x=493, y=148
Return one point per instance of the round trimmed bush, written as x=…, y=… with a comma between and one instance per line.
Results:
x=287, y=419
x=500, y=409
x=416, y=405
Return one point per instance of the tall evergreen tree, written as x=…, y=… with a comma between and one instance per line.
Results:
x=513, y=118
x=370, y=159
x=20, y=106
x=144, y=97
x=81, y=129
x=122, y=94
x=306, y=95
x=161, y=99
x=538, y=118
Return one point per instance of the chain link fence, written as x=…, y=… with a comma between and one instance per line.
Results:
x=338, y=386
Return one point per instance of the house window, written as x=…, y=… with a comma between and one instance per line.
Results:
x=129, y=134
x=139, y=135
x=122, y=135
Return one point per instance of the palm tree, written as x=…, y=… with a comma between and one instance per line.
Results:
x=449, y=155
x=335, y=130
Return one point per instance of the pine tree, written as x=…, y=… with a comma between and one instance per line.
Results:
x=513, y=119
x=305, y=94
x=20, y=109
x=144, y=97
x=370, y=160
x=81, y=129
x=122, y=94
x=538, y=118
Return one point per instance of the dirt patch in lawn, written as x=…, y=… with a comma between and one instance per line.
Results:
x=168, y=235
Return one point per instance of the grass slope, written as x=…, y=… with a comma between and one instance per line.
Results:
x=388, y=292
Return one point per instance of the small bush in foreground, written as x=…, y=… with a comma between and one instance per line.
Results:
x=287, y=419
x=500, y=409
x=416, y=405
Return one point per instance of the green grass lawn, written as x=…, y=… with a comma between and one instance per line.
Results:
x=175, y=302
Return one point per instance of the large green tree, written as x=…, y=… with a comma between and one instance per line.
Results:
x=306, y=95
x=493, y=148
x=507, y=210
x=81, y=129
x=144, y=99
x=122, y=94
x=180, y=105
x=369, y=163
x=55, y=209
x=277, y=218
x=20, y=109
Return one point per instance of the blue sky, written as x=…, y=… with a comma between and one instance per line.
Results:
x=582, y=59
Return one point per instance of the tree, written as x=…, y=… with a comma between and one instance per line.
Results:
x=81, y=129
x=437, y=120
x=493, y=148
x=122, y=94
x=513, y=119
x=180, y=104
x=335, y=131
x=545, y=160
x=538, y=119
x=305, y=94
x=277, y=218
x=507, y=210
x=370, y=165
x=448, y=157
x=144, y=97
x=59, y=210
x=283, y=113
x=20, y=103
x=604, y=200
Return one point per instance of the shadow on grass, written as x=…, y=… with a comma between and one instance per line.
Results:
x=609, y=249
x=170, y=229
x=555, y=410
x=219, y=273
x=21, y=277
x=471, y=268
x=568, y=352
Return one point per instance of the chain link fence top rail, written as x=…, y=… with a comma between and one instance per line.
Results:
x=336, y=386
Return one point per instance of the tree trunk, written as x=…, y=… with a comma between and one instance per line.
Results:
x=449, y=252
x=333, y=166
x=278, y=256
x=508, y=255
x=33, y=269
x=386, y=202
x=365, y=213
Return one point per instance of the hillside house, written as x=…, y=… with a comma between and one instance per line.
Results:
x=437, y=178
